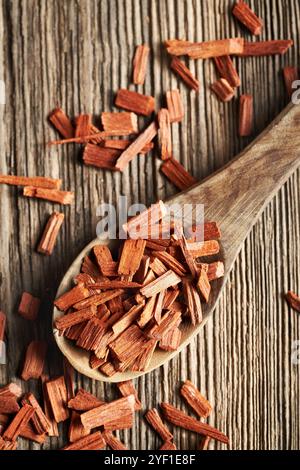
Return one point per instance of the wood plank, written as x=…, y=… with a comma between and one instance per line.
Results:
x=252, y=329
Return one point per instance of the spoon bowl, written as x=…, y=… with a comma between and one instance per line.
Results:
x=234, y=197
x=79, y=358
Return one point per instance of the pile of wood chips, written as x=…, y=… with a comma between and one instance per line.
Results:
x=92, y=422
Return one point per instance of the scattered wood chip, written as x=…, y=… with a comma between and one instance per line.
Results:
x=83, y=125
x=113, y=284
x=76, y=430
x=177, y=174
x=175, y=106
x=135, y=102
x=57, y=395
x=164, y=134
x=62, y=123
x=29, y=306
x=158, y=307
x=184, y=72
x=34, y=181
x=69, y=375
x=98, y=135
x=94, y=441
x=123, y=144
x=179, y=418
x=53, y=430
x=246, y=115
x=154, y=419
x=34, y=360
x=177, y=42
x=114, y=305
x=227, y=70
x=28, y=432
x=84, y=401
x=223, y=90
x=100, y=157
x=21, y=419
x=248, y=18
x=263, y=48
x=118, y=414
x=8, y=445
x=196, y=401
x=95, y=362
x=208, y=49
x=137, y=145
x=102, y=254
x=95, y=137
x=140, y=62
x=125, y=123
x=49, y=236
x=170, y=297
x=53, y=195
x=39, y=420
x=127, y=388
x=113, y=442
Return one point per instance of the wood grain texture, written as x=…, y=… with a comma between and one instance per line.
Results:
x=75, y=53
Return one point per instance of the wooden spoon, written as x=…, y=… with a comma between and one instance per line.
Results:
x=235, y=197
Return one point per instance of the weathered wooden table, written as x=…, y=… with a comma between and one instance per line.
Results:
x=77, y=54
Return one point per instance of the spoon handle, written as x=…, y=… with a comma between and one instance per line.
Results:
x=236, y=195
